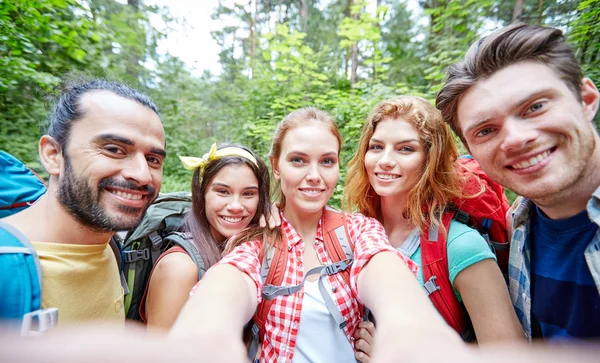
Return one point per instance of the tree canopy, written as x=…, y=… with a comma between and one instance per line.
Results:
x=339, y=55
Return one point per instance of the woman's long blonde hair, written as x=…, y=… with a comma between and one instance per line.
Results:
x=439, y=182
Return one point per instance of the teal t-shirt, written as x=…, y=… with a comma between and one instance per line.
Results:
x=465, y=248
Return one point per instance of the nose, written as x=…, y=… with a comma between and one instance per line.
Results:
x=386, y=160
x=313, y=175
x=138, y=170
x=516, y=135
x=235, y=205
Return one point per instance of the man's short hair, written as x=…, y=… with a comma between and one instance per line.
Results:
x=68, y=106
x=504, y=47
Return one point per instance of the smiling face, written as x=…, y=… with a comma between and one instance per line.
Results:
x=395, y=158
x=112, y=167
x=231, y=200
x=308, y=167
x=528, y=131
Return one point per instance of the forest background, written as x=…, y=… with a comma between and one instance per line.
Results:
x=343, y=56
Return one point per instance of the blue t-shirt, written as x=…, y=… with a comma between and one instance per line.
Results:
x=565, y=300
x=465, y=247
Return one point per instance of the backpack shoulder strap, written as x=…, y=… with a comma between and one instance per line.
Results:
x=34, y=320
x=274, y=261
x=336, y=239
x=434, y=259
x=184, y=240
x=116, y=247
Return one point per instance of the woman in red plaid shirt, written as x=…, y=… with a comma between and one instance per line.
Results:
x=305, y=162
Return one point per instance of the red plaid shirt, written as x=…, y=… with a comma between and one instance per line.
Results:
x=368, y=237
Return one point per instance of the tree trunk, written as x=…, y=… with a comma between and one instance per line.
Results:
x=303, y=14
x=517, y=11
x=253, y=14
x=347, y=55
x=134, y=57
x=540, y=11
x=252, y=26
x=354, y=55
x=375, y=45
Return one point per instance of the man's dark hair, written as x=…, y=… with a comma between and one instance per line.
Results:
x=504, y=47
x=68, y=106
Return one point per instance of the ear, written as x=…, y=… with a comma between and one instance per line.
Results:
x=51, y=155
x=589, y=98
x=275, y=167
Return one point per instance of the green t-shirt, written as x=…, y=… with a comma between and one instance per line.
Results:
x=465, y=248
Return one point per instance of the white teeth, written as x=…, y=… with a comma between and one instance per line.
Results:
x=532, y=160
x=232, y=219
x=311, y=191
x=387, y=176
x=126, y=195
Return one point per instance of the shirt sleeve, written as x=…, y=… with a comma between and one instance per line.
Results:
x=466, y=247
x=369, y=238
x=245, y=258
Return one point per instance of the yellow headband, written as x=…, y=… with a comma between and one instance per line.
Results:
x=191, y=163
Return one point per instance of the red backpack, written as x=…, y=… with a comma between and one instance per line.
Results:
x=485, y=212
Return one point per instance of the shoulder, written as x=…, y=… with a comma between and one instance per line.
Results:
x=359, y=219
x=461, y=236
x=175, y=265
x=465, y=248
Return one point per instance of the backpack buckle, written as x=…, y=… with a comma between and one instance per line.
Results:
x=462, y=217
x=337, y=267
x=431, y=285
x=46, y=319
x=136, y=255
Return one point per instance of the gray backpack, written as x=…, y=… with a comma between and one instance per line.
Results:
x=160, y=229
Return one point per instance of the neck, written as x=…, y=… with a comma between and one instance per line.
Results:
x=48, y=221
x=396, y=226
x=574, y=199
x=303, y=223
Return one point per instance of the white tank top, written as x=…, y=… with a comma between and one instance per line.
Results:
x=319, y=338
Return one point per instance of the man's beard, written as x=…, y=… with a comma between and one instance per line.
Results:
x=81, y=202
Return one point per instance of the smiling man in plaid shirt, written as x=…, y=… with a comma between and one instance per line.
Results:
x=523, y=109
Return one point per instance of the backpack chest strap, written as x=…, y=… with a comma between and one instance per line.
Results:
x=270, y=292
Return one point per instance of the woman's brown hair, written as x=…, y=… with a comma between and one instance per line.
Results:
x=196, y=222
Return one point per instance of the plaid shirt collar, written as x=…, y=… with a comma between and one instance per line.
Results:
x=294, y=237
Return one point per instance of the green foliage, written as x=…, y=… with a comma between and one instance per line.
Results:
x=274, y=57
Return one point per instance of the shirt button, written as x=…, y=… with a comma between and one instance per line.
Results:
x=334, y=290
x=524, y=296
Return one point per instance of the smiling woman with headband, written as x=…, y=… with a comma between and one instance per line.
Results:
x=230, y=191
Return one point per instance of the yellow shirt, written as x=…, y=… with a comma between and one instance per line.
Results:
x=82, y=281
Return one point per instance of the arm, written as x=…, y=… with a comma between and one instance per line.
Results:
x=221, y=304
x=169, y=288
x=215, y=315
x=384, y=281
x=398, y=302
x=485, y=296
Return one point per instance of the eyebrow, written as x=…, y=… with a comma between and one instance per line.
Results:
x=398, y=142
x=125, y=141
x=305, y=154
x=519, y=104
x=531, y=96
x=217, y=184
